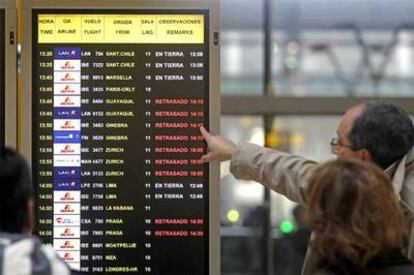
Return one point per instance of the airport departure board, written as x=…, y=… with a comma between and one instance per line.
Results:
x=118, y=98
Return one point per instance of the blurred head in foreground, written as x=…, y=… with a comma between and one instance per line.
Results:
x=16, y=205
x=354, y=214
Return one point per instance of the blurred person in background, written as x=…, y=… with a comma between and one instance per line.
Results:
x=358, y=225
x=376, y=132
x=21, y=253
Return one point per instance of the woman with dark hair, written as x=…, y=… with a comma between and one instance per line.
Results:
x=358, y=226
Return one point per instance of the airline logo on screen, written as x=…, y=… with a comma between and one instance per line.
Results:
x=66, y=220
x=66, y=208
x=66, y=244
x=72, y=54
x=67, y=65
x=66, y=125
x=69, y=173
x=66, y=184
x=66, y=101
x=66, y=136
x=66, y=232
x=67, y=153
x=66, y=89
x=71, y=257
x=67, y=113
x=66, y=196
x=67, y=149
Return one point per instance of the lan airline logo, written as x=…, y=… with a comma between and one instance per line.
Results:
x=66, y=173
x=65, y=183
x=71, y=184
x=73, y=113
x=66, y=53
x=66, y=113
x=72, y=173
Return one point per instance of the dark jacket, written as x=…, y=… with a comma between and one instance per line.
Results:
x=389, y=264
x=25, y=255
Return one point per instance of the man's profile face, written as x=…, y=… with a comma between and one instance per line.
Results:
x=344, y=148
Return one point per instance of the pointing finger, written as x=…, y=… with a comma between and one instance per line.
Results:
x=205, y=134
x=207, y=157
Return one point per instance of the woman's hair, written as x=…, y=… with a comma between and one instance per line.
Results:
x=354, y=214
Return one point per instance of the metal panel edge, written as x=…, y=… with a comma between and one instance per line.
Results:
x=109, y=4
x=214, y=181
x=25, y=110
x=10, y=85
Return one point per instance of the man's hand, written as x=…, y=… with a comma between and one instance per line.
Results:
x=220, y=148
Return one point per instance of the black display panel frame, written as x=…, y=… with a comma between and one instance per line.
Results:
x=35, y=115
x=2, y=77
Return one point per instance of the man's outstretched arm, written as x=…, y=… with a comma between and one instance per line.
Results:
x=284, y=173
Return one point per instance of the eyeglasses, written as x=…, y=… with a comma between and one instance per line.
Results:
x=335, y=144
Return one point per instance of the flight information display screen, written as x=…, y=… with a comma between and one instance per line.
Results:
x=118, y=99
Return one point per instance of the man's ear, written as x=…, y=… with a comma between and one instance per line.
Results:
x=364, y=155
x=29, y=223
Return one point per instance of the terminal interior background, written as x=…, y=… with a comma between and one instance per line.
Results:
x=324, y=55
x=311, y=59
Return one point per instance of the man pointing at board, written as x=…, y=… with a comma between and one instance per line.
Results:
x=376, y=132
